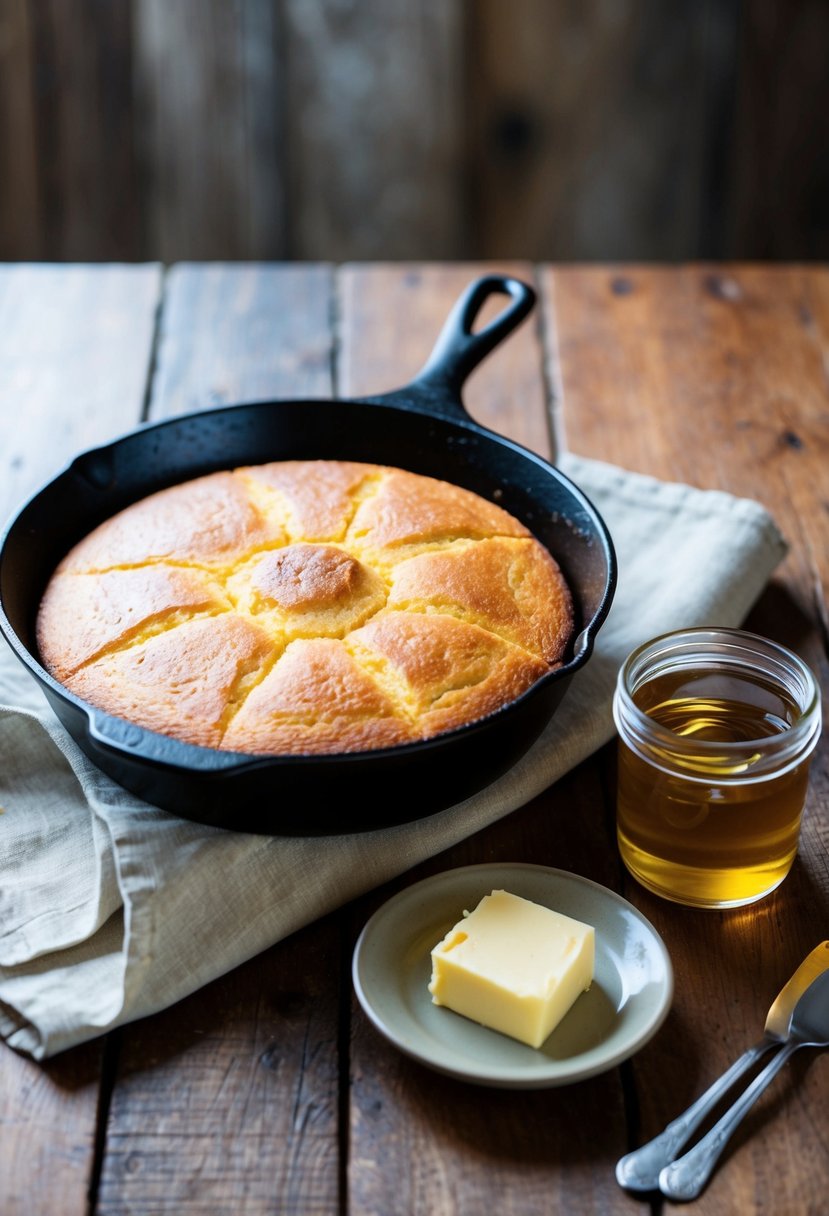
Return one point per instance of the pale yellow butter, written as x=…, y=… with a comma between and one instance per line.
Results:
x=514, y=966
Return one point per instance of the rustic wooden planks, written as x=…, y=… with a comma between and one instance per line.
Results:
x=75, y=351
x=390, y=320
x=21, y=224
x=374, y=156
x=228, y=1105
x=267, y=139
x=231, y=333
x=420, y=1143
x=717, y=376
x=268, y=1091
x=208, y=119
x=87, y=174
x=316, y=129
x=779, y=43
x=77, y=346
x=574, y=121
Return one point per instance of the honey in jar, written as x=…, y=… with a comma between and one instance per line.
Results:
x=716, y=730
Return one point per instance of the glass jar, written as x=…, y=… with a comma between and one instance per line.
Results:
x=716, y=730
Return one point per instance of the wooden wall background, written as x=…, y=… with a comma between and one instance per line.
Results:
x=396, y=129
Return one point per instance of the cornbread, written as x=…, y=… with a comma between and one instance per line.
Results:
x=513, y=965
x=305, y=607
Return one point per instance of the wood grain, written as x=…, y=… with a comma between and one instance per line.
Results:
x=87, y=172
x=208, y=121
x=77, y=345
x=391, y=316
x=232, y=333
x=374, y=162
x=228, y=1104
x=717, y=376
x=779, y=191
x=75, y=351
x=593, y=128
x=48, y=1124
x=319, y=129
x=269, y=1091
x=21, y=224
x=421, y=1143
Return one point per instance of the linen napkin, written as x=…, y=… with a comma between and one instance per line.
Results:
x=111, y=909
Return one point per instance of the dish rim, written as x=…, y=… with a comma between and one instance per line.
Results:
x=556, y=1073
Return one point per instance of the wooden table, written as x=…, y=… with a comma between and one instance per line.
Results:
x=269, y=1091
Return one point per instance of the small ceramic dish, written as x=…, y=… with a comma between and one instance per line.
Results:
x=624, y=1007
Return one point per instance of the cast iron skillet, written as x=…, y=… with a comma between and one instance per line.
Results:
x=423, y=427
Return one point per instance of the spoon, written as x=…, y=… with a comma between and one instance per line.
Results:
x=640, y=1170
x=686, y=1177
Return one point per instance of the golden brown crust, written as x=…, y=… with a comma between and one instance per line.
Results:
x=306, y=607
x=318, y=496
x=508, y=585
x=317, y=699
x=181, y=683
x=452, y=672
x=211, y=520
x=408, y=509
x=83, y=615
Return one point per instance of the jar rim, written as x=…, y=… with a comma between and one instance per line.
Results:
x=735, y=648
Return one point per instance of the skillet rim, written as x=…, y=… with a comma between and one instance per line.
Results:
x=144, y=744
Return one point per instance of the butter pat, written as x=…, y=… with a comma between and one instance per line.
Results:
x=513, y=966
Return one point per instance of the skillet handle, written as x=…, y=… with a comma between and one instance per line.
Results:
x=458, y=351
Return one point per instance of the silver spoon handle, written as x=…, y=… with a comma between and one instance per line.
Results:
x=639, y=1170
x=686, y=1177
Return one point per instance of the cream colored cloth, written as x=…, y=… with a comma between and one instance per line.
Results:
x=111, y=909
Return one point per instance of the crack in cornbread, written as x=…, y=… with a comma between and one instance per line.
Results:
x=305, y=607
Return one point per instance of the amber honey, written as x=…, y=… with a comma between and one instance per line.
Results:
x=716, y=731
